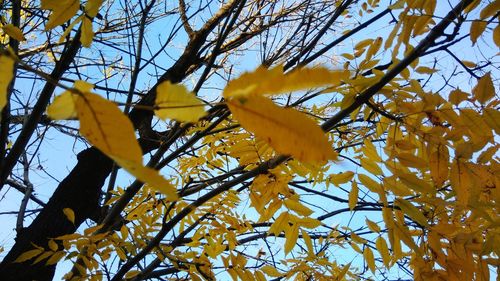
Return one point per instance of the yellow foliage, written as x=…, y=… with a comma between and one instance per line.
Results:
x=6, y=75
x=14, y=32
x=175, y=102
x=285, y=129
x=62, y=11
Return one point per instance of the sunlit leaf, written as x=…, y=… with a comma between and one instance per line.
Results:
x=291, y=236
x=70, y=215
x=105, y=126
x=298, y=207
x=175, y=102
x=6, y=75
x=87, y=32
x=384, y=251
x=411, y=211
x=439, y=165
x=369, y=258
x=62, y=11
x=285, y=129
x=273, y=81
x=92, y=7
x=28, y=255
x=353, y=196
x=476, y=29
x=63, y=107
x=484, y=90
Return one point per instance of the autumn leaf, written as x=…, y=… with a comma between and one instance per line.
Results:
x=92, y=7
x=62, y=11
x=369, y=258
x=28, y=255
x=411, y=211
x=285, y=129
x=484, y=90
x=439, y=165
x=291, y=236
x=353, y=196
x=175, y=102
x=14, y=32
x=87, y=33
x=6, y=75
x=106, y=127
x=70, y=215
x=273, y=81
x=476, y=29
x=63, y=107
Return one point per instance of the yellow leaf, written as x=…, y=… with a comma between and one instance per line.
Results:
x=383, y=249
x=476, y=29
x=270, y=271
x=341, y=178
x=14, y=32
x=370, y=166
x=372, y=226
x=457, y=96
x=63, y=107
x=298, y=207
x=279, y=224
x=6, y=75
x=353, y=196
x=370, y=183
x=131, y=274
x=53, y=245
x=439, y=165
x=42, y=257
x=149, y=176
x=370, y=260
x=28, y=255
x=490, y=9
x=413, y=182
x=273, y=81
x=343, y=272
x=374, y=47
x=308, y=222
x=175, y=102
x=291, y=236
x=484, y=89
x=70, y=215
x=92, y=7
x=286, y=130
x=87, y=32
x=425, y=70
x=62, y=11
x=460, y=182
x=410, y=160
x=106, y=127
x=496, y=35
x=492, y=117
x=410, y=210
x=370, y=151
x=55, y=258
x=259, y=276
x=308, y=242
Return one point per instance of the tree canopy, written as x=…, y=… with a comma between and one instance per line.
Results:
x=250, y=139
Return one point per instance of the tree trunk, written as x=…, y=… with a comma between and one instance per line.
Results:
x=80, y=191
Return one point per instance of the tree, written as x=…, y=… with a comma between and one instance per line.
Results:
x=400, y=177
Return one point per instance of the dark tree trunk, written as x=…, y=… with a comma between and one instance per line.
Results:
x=80, y=191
